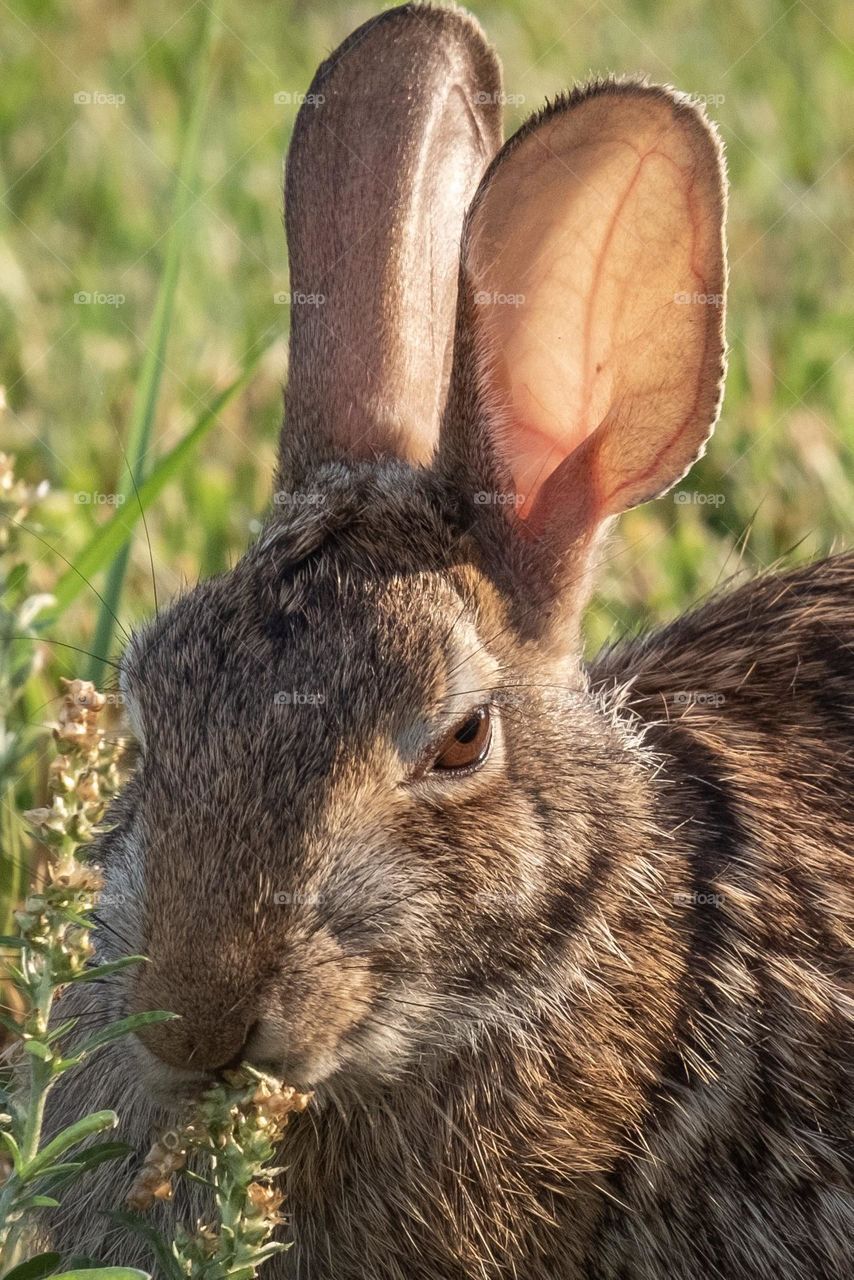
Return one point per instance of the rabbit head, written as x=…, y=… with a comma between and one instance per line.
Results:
x=368, y=752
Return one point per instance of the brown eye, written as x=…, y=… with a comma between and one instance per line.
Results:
x=468, y=745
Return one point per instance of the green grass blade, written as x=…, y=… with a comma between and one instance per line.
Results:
x=12, y=860
x=104, y=1274
x=109, y=539
x=151, y=374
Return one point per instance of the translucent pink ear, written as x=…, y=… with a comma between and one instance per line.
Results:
x=594, y=275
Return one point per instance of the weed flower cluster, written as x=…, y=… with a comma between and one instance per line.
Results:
x=232, y=1134
x=236, y=1128
x=53, y=948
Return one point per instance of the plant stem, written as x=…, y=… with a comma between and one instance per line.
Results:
x=41, y=1078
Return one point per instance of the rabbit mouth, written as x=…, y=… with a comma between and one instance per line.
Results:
x=170, y=1089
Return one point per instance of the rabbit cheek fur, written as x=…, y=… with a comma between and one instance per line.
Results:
x=582, y=1013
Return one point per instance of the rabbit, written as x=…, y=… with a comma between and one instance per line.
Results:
x=562, y=948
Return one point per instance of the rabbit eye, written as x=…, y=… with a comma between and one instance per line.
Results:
x=467, y=746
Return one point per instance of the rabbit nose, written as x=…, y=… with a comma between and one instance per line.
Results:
x=194, y=1040
x=186, y=1048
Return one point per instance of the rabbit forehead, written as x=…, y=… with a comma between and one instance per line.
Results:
x=278, y=670
x=368, y=567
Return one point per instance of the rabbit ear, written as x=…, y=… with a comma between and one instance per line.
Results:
x=590, y=343
x=387, y=151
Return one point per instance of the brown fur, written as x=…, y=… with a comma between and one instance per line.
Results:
x=583, y=1015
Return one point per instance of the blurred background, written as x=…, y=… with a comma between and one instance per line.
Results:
x=141, y=254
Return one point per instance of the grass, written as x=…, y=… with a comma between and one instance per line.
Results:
x=140, y=164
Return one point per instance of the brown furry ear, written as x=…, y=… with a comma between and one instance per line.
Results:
x=590, y=331
x=388, y=148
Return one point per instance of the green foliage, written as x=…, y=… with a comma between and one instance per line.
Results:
x=236, y=1127
x=150, y=375
x=90, y=202
x=235, y=1131
x=50, y=950
x=20, y=607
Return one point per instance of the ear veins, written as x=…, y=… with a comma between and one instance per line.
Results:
x=529, y=428
x=595, y=284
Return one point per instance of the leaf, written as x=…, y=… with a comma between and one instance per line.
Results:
x=38, y=1202
x=197, y=1178
x=60, y=1030
x=77, y=917
x=116, y=1030
x=66, y=1168
x=74, y=1133
x=111, y=536
x=11, y=1146
x=38, y=1050
x=34, y=1268
x=262, y=1253
x=88, y=1159
x=104, y=1273
x=100, y=1152
x=102, y=970
x=18, y=944
x=168, y=1264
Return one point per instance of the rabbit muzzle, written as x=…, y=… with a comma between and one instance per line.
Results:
x=295, y=1023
